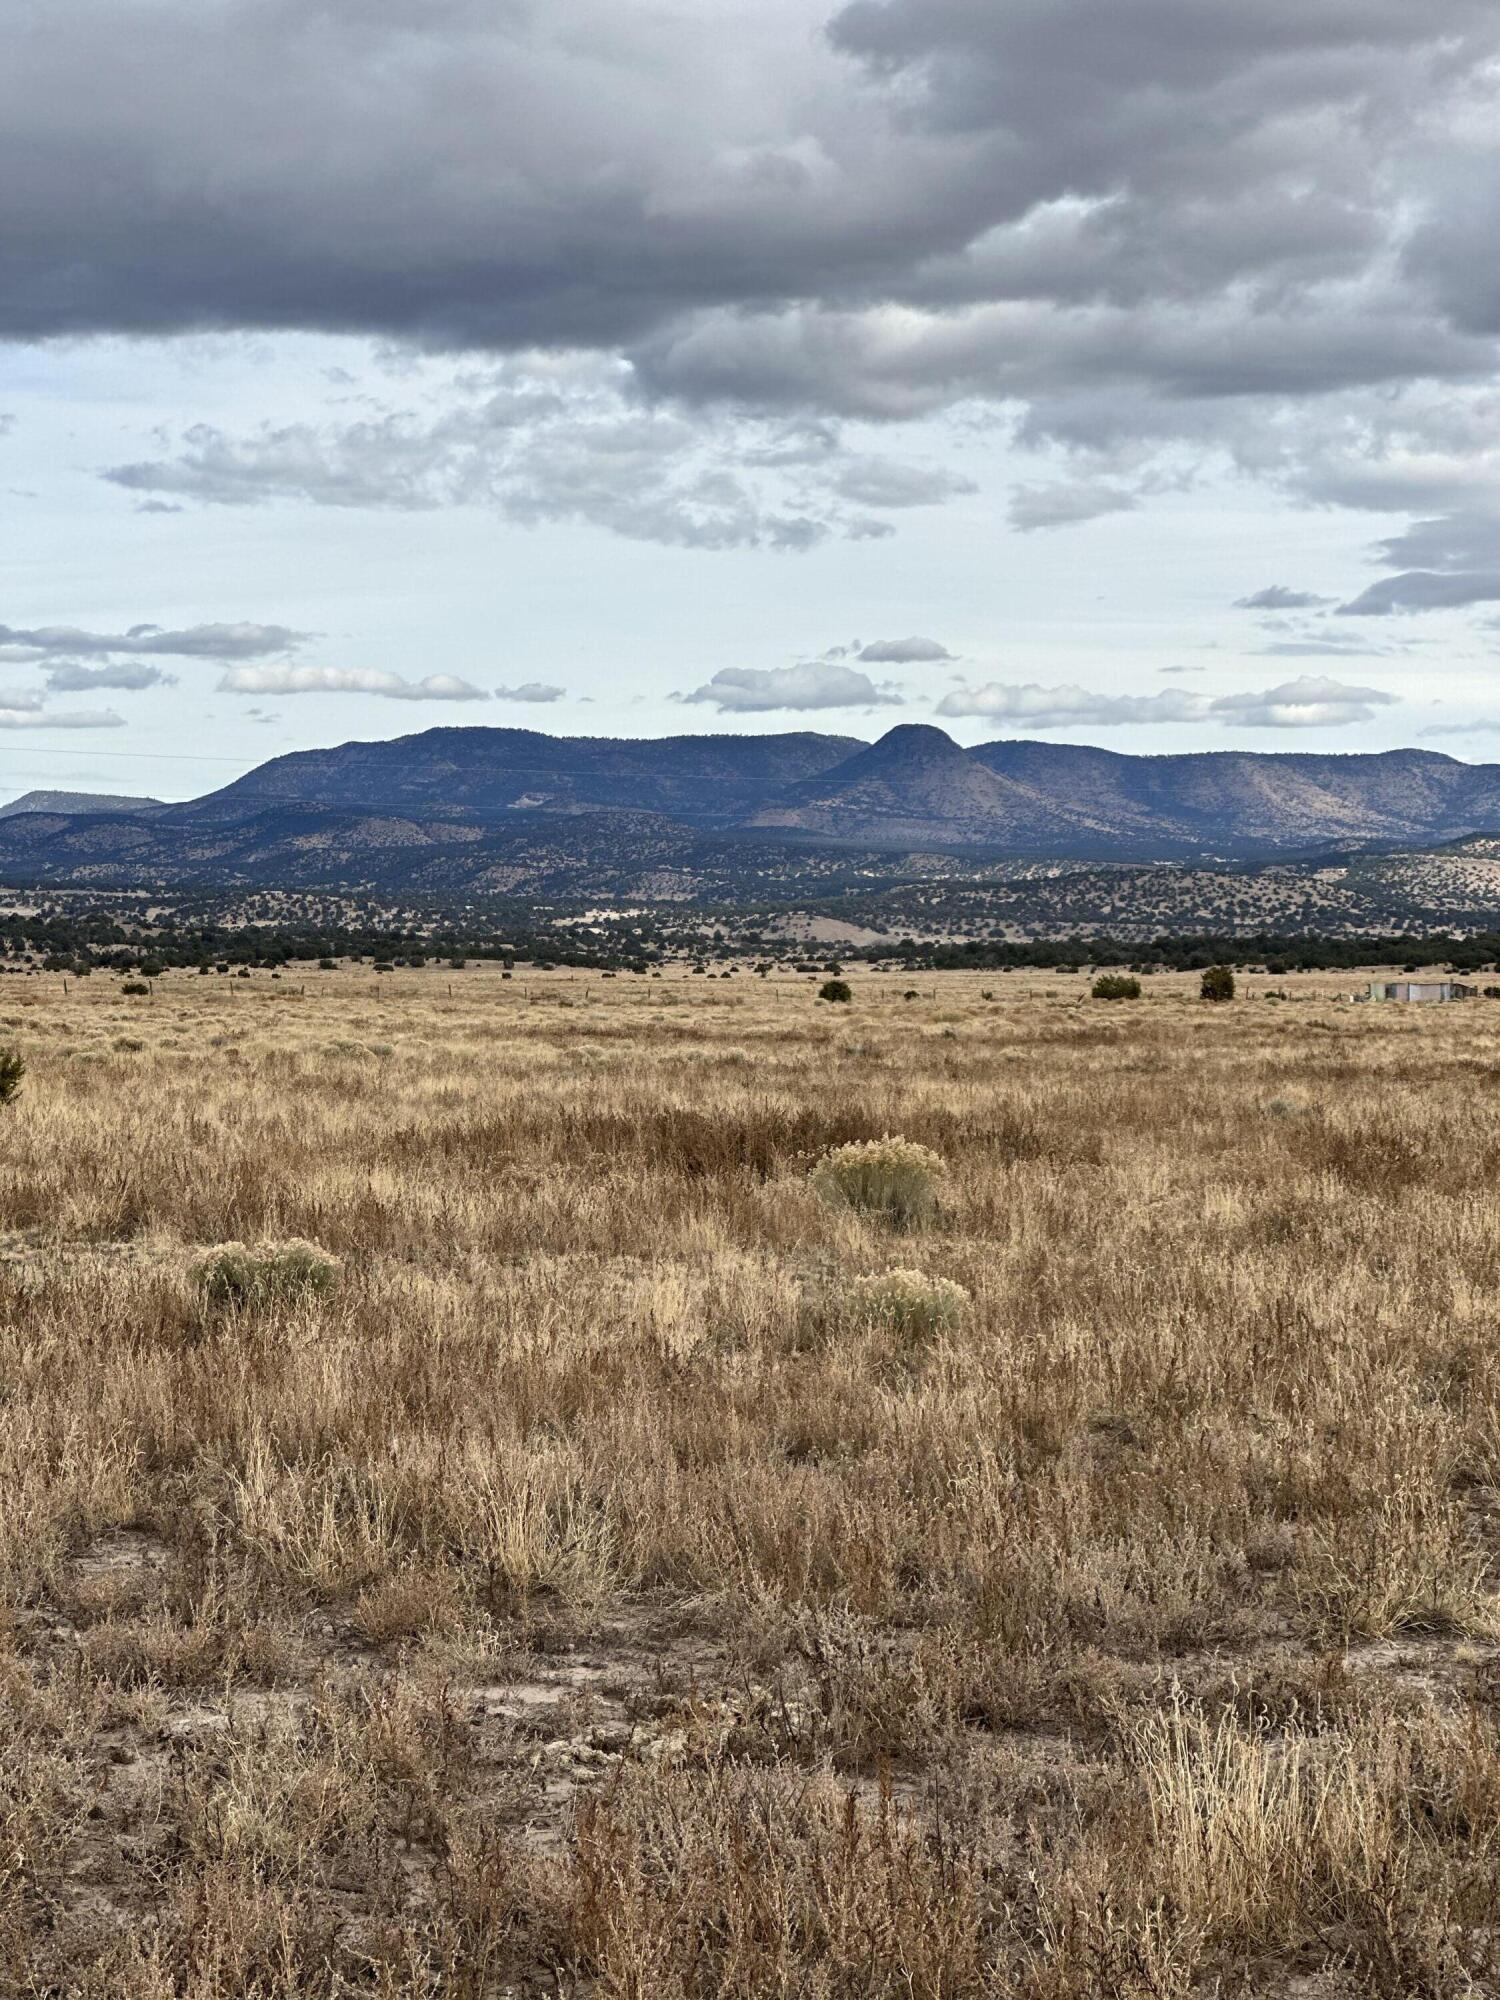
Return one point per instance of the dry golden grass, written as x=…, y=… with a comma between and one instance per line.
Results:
x=584, y=1591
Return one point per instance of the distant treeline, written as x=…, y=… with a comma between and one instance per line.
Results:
x=1266, y=950
x=94, y=939
x=65, y=944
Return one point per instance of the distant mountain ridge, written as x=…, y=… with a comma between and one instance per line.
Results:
x=1248, y=800
x=915, y=787
x=702, y=780
x=471, y=810
x=77, y=802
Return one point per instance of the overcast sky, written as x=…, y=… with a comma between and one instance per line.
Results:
x=1118, y=371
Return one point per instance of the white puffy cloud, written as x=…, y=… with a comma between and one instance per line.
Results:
x=547, y=439
x=1066, y=503
x=815, y=684
x=1056, y=707
x=286, y=678
x=1307, y=703
x=235, y=641
x=18, y=712
x=1301, y=704
x=531, y=691
x=130, y=676
x=903, y=652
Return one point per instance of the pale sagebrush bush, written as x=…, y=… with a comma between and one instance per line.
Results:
x=892, y=1178
x=244, y=1274
x=910, y=1308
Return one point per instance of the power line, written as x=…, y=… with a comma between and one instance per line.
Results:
x=122, y=756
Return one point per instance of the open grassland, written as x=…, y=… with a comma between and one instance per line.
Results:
x=598, y=1589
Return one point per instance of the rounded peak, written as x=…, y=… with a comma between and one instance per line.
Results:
x=912, y=732
x=909, y=739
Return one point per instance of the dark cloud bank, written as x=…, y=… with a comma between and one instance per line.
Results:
x=1144, y=230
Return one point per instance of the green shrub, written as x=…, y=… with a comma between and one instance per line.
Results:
x=910, y=1308
x=836, y=990
x=12, y=1070
x=1218, y=983
x=244, y=1274
x=892, y=1178
x=1116, y=986
x=135, y=986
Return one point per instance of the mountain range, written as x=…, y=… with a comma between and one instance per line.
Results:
x=472, y=810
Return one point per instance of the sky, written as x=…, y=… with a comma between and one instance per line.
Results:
x=1109, y=371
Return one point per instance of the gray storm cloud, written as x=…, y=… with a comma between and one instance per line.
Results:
x=928, y=197
x=1143, y=232
x=1425, y=590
